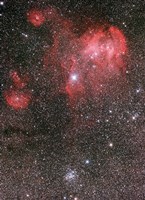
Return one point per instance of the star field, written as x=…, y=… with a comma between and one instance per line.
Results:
x=72, y=98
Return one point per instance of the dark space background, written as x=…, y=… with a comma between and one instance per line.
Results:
x=46, y=151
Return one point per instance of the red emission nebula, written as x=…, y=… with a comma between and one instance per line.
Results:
x=17, y=99
x=17, y=96
x=36, y=17
x=86, y=62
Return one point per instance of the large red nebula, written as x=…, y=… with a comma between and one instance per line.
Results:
x=80, y=66
x=105, y=48
x=88, y=61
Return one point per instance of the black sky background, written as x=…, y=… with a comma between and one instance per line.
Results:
x=47, y=143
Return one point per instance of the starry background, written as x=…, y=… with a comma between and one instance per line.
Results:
x=49, y=151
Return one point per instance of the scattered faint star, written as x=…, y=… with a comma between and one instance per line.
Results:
x=87, y=161
x=110, y=144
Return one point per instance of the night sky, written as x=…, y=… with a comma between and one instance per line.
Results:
x=72, y=100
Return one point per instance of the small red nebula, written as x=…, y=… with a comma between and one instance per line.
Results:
x=17, y=99
x=36, y=17
x=19, y=82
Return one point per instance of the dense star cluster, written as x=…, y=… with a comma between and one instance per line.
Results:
x=72, y=97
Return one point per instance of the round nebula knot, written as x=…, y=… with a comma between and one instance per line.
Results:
x=36, y=17
x=17, y=99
